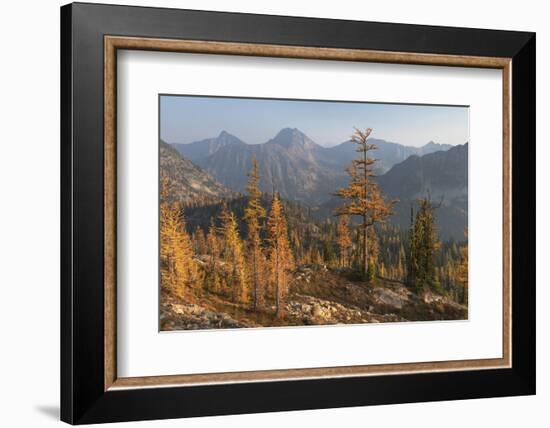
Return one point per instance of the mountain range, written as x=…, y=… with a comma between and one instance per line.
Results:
x=305, y=172
x=442, y=176
x=299, y=168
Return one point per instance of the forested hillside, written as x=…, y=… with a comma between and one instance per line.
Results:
x=245, y=256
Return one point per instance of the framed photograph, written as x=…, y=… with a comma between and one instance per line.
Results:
x=266, y=213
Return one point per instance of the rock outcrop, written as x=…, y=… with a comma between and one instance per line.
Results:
x=181, y=316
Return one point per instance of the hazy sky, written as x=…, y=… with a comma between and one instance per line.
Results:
x=185, y=119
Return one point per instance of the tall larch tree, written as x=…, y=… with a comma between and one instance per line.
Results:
x=362, y=196
x=343, y=240
x=281, y=259
x=254, y=213
x=233, y=255
x=177, y=268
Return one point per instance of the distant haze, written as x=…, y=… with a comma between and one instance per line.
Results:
x=185, y=119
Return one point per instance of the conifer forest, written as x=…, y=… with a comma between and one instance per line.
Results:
x=292, y=233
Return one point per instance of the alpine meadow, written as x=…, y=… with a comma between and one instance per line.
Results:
x=295, y=212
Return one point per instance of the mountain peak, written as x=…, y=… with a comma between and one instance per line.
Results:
x=290, y=131
x=292, y=137
x=204, y=148
x=431, y=146
x=223, y=139
x=224, y=135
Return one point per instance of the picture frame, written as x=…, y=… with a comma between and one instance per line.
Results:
x=91, y=390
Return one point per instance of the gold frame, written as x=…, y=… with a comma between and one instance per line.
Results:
x=113, y=43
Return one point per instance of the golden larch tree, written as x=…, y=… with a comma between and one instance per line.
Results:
x=281, y=259
x=253, y=215
x=233, y=256
x=177, y=267
x=343, y=239
x=362, y=195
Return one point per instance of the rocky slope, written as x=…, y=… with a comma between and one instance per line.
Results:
x=317, y=297
x=187, y=181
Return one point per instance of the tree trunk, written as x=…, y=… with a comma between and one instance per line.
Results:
x=234, y=279
x=277, y=285
x=255, y=278
x=365, y=236
x=365, y=249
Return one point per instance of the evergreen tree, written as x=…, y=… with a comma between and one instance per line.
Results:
x=213, y=275
x=199, y=241
x=402, y=262
x=462, y=271
x=412, y=260
x=423, y=245
x=329, y=256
